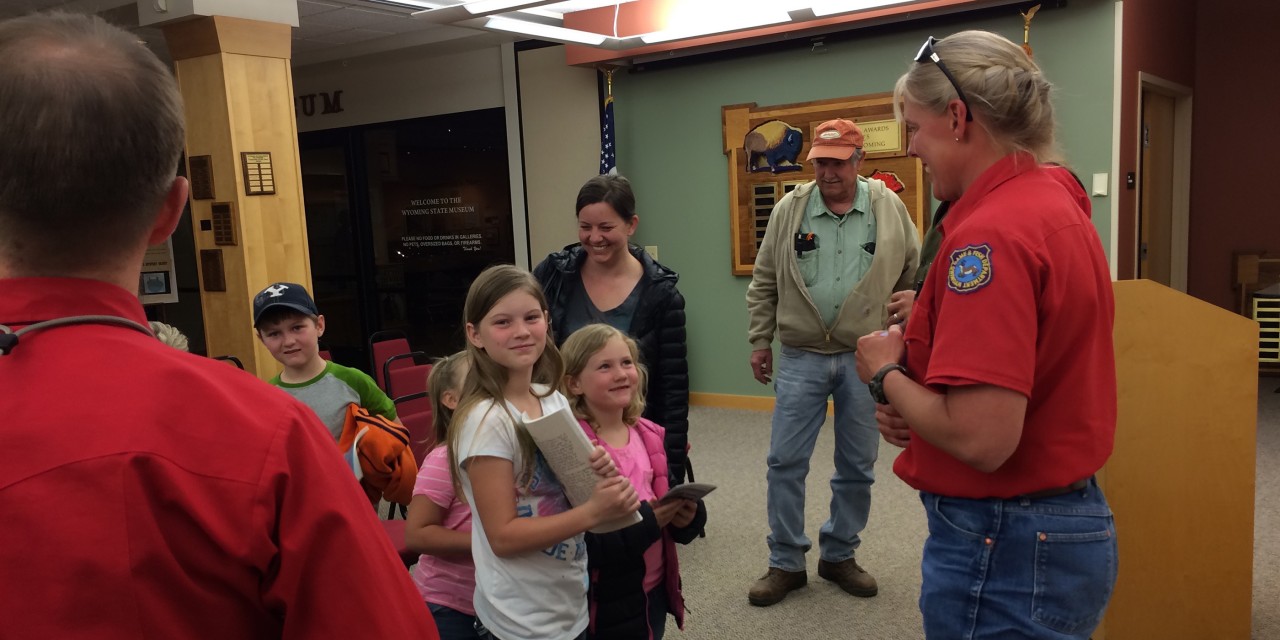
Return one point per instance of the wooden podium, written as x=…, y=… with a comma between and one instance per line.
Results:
x=1181, y=479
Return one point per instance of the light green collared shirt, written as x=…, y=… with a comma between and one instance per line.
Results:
x=843, y=254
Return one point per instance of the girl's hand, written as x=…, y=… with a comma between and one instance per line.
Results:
x=663, y=512
x=613, y=498
x=602, y=463
x=425, y=531
x=688, y=509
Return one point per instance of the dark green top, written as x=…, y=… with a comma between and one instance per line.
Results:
x=932, y=242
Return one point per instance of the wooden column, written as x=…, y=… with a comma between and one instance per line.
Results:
x=237, y=85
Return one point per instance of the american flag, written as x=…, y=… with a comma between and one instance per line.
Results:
x=608, y=155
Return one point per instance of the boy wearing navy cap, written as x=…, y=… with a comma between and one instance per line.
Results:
x=289, y=325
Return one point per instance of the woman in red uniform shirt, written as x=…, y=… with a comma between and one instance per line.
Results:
x=1002, y=389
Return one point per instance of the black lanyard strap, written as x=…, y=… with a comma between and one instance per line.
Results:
x=9, y=337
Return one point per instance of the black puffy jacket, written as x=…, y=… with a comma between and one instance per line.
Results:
x=657, y=328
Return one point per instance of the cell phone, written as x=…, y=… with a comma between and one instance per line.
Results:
x=689, y=491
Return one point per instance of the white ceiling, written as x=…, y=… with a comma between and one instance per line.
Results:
x=328, y=29
x=332, y=30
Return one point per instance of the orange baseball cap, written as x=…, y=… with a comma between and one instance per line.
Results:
x=835, y=139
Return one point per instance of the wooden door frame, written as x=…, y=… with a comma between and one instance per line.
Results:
x=1180, y=216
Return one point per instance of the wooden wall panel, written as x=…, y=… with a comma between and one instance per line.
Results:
x=203, y=84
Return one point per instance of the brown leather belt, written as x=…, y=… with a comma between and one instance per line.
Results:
x=1078, y=485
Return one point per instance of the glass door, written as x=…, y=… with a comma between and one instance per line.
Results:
x=440, y=204
x=334, y=237
x=401, y=217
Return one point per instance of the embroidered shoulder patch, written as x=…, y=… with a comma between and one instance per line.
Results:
x=970, y=269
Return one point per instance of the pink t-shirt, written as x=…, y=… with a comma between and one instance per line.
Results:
x=633, y=464
x=448, y=581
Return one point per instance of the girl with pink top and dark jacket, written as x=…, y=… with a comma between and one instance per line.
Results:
x=634, y=571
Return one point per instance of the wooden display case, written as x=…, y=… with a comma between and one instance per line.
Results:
x=1257, y=274
x=1266, y=312
x=753, y=193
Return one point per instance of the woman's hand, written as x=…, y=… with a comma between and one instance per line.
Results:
x=892, y=426
x=877, y=349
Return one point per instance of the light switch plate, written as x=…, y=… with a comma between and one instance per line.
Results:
x=1100, y=184
x=652, y=250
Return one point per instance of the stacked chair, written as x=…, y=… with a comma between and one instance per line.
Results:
x=383, y=345
x=402, y=374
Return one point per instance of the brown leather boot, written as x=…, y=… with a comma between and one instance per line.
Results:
x=852, y=578
x=775, y=585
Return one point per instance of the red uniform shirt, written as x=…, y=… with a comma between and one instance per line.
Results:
x=1019, y=297
x=150, y=493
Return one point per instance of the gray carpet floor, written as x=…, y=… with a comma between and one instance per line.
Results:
x=729, y=451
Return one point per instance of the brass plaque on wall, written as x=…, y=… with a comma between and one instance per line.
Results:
x=224, y=223
x=259, y=179
x=211, y=270
x=884, y=138
x=201, y=174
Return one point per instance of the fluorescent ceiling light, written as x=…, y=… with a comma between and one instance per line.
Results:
x=832, y=7
x=409, y=4
x=546, y=32
x=461, y=11
x=722, y=25
x=693, y=19
x=544, y=13
x=477, y=7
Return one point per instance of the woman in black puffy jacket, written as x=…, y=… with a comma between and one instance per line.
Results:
x=605, y=278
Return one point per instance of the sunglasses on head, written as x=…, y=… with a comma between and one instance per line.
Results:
x=927, y=54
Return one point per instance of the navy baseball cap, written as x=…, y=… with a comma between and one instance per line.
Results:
x=283, y=294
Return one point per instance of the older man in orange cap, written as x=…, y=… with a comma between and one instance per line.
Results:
x=834, y=251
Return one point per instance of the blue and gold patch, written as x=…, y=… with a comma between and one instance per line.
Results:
x=970, y=269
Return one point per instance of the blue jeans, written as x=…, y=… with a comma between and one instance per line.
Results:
x=803, y=382
x=1017, y=568
x=453, y=624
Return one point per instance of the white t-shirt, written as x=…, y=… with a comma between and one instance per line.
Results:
x=541, y=595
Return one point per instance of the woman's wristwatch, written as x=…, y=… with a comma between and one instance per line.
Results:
x=876, y=386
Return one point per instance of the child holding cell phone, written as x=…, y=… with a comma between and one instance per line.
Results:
x=635, y=573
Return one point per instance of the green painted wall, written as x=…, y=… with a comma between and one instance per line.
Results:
x=669, y=143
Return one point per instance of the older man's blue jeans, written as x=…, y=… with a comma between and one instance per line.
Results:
x=803, y=381
x=1020, y=568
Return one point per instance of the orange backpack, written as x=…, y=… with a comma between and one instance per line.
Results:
x=378, y=451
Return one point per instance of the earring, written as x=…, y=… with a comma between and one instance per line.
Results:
x=957, y=139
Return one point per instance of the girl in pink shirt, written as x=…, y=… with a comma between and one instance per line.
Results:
x=439, y=522
x=635, y=575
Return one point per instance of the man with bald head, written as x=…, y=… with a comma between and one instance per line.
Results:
x=833, y=252
x=147, y=492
